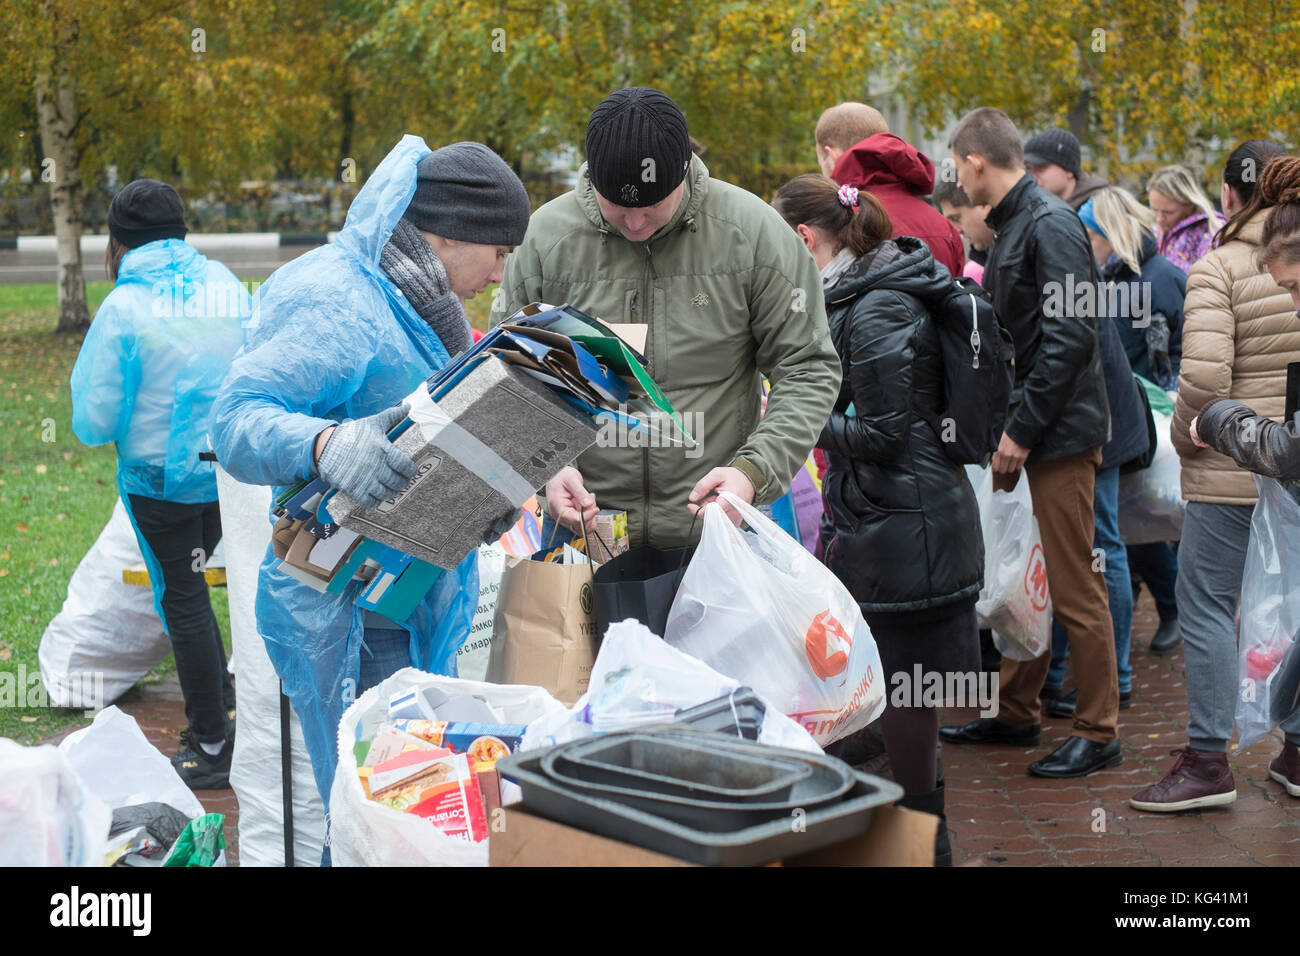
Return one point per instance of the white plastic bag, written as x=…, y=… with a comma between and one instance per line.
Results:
x=1151, y=501
x=118, y=765
x=47, y=815
x=107, y=635
x=255, y=767
x=365, y=833
x=639, y=680
x=472, y=657
x=1015, y=602
x=756, y=606
x=1269, y=666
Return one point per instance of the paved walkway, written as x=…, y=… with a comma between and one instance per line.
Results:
x=999, y=815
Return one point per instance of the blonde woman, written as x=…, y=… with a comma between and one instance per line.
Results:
x=1186, y=220
x=1149, y=319
x=1150, y=302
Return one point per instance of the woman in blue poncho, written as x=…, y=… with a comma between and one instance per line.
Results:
x=145, y=379
x=338, y=339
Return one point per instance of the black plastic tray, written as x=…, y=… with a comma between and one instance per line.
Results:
x=802, y=831
x=739, y=714
x=703, y=813
x=697, y=764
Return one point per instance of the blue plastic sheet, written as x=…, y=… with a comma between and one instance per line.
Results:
x=149, y=370
x=332, y=338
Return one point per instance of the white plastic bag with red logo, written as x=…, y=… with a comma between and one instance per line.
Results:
x=1015, y=602
x=757, y=607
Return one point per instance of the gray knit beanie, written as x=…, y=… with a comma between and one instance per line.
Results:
x=465, y=191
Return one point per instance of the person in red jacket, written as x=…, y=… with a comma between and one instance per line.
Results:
x=856, y=148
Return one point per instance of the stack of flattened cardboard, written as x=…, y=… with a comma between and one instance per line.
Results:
x=485, y=432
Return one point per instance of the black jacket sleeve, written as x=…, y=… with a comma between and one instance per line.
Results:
x=1069, y=341
x=1256, y=443
x=880, y=337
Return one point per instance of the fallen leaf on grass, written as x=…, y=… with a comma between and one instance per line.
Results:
x=41, y=469
x=22, y=527
x=6, y=652
x=29, y=720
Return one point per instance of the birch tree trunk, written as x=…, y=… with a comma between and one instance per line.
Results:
x=56, y=111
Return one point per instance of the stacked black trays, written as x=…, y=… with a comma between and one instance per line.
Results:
x=708, y=797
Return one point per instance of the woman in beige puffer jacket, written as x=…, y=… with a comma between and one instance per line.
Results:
x=1239, y=334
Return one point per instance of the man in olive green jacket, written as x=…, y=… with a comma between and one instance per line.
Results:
x=728, y=294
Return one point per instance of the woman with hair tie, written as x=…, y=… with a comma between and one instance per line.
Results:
x=907, y=541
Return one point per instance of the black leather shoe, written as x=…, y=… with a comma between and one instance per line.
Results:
x=1078, y=757
x=1062, y=706
x=986, y=730
x=1125, y=699
x=1168, y=636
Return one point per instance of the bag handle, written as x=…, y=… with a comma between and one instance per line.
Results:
x=610, y=551
x=757, y=521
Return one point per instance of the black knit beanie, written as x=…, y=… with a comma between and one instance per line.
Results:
x=146, y=211
x=465, y=191
x=1057, y=146
x=638, y=149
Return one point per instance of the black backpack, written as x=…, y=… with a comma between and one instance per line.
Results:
x=979, y=371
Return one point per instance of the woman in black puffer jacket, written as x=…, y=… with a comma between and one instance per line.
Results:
x=907, y=540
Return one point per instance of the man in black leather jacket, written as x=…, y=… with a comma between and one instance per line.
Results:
x=1042, y=278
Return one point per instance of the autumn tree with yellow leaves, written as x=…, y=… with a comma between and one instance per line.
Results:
x=216, y=92
x=1142, y=82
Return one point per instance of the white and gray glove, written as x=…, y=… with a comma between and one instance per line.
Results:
x=361, y=462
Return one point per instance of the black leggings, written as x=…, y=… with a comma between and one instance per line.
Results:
x=173, y=533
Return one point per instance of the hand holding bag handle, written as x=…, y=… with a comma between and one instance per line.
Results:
x=639, y=584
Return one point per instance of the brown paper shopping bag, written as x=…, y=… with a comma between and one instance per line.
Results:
x=544, y=628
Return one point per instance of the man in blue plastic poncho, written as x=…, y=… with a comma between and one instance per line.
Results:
x=338, y=338
x=145, y=379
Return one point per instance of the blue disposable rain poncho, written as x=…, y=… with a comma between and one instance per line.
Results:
x=332, y=338
x=149, y=370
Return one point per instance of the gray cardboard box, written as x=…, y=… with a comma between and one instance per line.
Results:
x=443, y=514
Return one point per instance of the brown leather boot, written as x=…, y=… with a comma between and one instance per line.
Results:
x=1285, y=768
x=1197, y=779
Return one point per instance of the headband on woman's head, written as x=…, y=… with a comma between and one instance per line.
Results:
x=1088, y=213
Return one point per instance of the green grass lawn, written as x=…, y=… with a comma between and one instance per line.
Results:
x=55, y=495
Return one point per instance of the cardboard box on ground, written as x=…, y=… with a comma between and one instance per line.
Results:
x=897, y=837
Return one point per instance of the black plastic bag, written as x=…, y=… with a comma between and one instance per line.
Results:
x=639, y=584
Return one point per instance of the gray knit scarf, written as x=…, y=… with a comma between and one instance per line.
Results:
x=411, y=263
